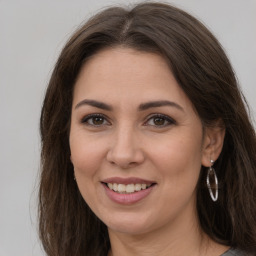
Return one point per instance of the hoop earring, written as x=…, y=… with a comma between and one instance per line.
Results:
x=211, y=171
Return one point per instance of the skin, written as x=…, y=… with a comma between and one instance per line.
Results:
x=131, y=142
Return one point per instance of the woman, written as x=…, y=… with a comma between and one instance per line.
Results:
x=147, y=148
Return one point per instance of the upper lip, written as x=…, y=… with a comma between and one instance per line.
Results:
x=126, y=181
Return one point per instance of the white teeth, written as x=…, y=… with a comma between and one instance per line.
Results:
x=130, y=188
x=115, y=187
x=121, y=188
x=137, y=187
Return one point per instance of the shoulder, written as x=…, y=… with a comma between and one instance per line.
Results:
x=234, y=252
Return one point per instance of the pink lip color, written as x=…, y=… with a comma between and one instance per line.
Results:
x=126, y=181
x=127, y=199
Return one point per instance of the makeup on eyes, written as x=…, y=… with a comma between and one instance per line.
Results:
x=95, y=120
x=159, y=120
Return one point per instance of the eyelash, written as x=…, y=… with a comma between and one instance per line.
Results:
x=86, y=119
x=165, y=118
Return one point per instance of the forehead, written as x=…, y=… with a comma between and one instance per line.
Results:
x=124, y=61
x=124, y=74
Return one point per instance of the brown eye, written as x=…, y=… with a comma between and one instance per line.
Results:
x=95, y=120
x=159, y=121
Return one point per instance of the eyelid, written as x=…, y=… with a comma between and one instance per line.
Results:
x=169, y=119
x=89, y=116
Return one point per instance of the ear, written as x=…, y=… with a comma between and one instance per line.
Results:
x=212, y=143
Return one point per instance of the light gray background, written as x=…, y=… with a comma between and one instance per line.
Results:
x=32, y=34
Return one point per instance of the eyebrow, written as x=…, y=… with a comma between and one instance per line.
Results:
x=142, y=106
x=94, y=103
x=159, y=103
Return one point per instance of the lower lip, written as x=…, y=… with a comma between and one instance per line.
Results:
x=127, y=199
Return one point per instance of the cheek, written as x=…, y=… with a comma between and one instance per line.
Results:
x=86, y=154
x=179, y=160
x=87, y=159
x=178, y=165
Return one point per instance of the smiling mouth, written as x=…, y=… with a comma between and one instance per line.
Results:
x=129, y=188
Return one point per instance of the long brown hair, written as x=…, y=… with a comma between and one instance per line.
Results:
x=66, y=223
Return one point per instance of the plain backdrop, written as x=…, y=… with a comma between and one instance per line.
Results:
x=32, y=34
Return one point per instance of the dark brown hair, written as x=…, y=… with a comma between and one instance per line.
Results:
x=67, y=225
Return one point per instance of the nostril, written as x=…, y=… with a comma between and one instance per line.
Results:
x=123, y=165
x=125, y=157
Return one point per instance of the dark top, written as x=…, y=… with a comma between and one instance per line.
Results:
x=233, y=252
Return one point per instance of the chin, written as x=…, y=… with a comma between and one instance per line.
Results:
x=132, y=225
x=128, y=229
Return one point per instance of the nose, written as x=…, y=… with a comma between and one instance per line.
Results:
x=125, y=150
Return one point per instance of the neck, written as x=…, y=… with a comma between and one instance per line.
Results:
x=180, y=240
x=165, y=242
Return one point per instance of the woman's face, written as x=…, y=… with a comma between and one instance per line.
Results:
x=136, y=142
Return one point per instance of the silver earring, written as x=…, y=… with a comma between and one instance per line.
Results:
x=74, y=176
x=210, y=172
